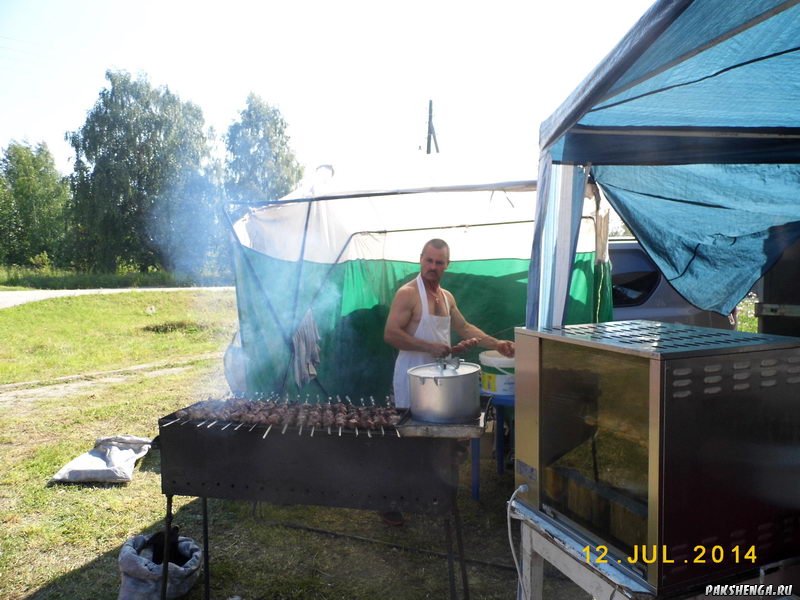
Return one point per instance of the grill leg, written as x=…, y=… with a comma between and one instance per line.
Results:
x=499, y=438
x=451, y=576
x=165, y=563
x=475, y=451
x=460, y=543
x=206, y=572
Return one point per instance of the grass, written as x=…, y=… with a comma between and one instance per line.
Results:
x=745, y=314
x=96, y=333
x=63, y=541
x=51, y=278
x=56, y=540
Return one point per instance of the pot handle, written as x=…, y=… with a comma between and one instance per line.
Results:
x=451, y=362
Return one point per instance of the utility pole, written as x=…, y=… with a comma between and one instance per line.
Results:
x=431, y=131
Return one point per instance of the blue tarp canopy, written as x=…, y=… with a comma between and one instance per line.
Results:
x=691, y=128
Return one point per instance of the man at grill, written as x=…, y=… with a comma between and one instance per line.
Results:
x=421, y=318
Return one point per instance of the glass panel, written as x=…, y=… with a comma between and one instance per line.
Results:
x=632, y=289
x=594, y=440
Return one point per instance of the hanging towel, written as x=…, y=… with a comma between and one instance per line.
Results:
x=305, y=343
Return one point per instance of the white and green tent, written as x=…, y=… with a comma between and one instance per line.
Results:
x=317, y=270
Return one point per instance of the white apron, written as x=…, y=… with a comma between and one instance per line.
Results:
x=431, y=328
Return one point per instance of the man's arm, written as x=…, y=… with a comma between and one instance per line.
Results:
x=400, y=315
x=474, y=336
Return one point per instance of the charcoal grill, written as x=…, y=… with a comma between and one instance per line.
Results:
x=410, y=467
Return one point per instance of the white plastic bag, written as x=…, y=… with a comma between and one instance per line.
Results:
x=112, y=460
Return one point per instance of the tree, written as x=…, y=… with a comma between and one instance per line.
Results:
x=261, y=165
x=139, y=182
x=7, y=216
x=32, y=199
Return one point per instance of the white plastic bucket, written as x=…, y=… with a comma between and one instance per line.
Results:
x=497, y=373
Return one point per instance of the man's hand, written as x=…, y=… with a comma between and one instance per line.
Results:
x=439, y=350
x=506, y=348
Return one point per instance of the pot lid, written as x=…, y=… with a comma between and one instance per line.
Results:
x=446, y=370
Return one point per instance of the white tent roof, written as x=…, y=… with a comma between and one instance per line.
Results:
x=325, y=221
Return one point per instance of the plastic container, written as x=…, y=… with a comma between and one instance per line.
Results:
x=497, y=373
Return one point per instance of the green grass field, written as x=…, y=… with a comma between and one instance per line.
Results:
x=60, y=337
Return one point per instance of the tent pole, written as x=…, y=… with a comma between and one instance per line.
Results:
x=431, y=130
x=507, y=186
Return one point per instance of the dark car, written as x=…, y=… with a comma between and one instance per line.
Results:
x=640, y=291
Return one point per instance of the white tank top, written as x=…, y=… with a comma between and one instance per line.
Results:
x=431, y=328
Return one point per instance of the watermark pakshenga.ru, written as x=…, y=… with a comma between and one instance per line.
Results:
x=756, y=590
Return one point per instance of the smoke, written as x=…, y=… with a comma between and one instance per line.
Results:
x=186, y=232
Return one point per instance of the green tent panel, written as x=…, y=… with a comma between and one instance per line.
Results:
x=321, y=272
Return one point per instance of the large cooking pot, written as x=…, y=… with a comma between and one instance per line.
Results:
x=445, y=391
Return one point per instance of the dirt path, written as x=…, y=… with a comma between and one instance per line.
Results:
x=12, y=394
x=17, y=297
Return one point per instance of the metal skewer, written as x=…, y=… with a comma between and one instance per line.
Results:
x=285, y=426
x=226, y=426
x=266, y=432
x=356, y=428
x=253, y=427
x=369, y=435
x=312, y=430
x=340, y=431
x=202, y=423
x=383, y=433
x=214, y=422
x=170, y=423
x=237, y=427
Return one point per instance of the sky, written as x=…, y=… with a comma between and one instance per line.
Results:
x=351, y=78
